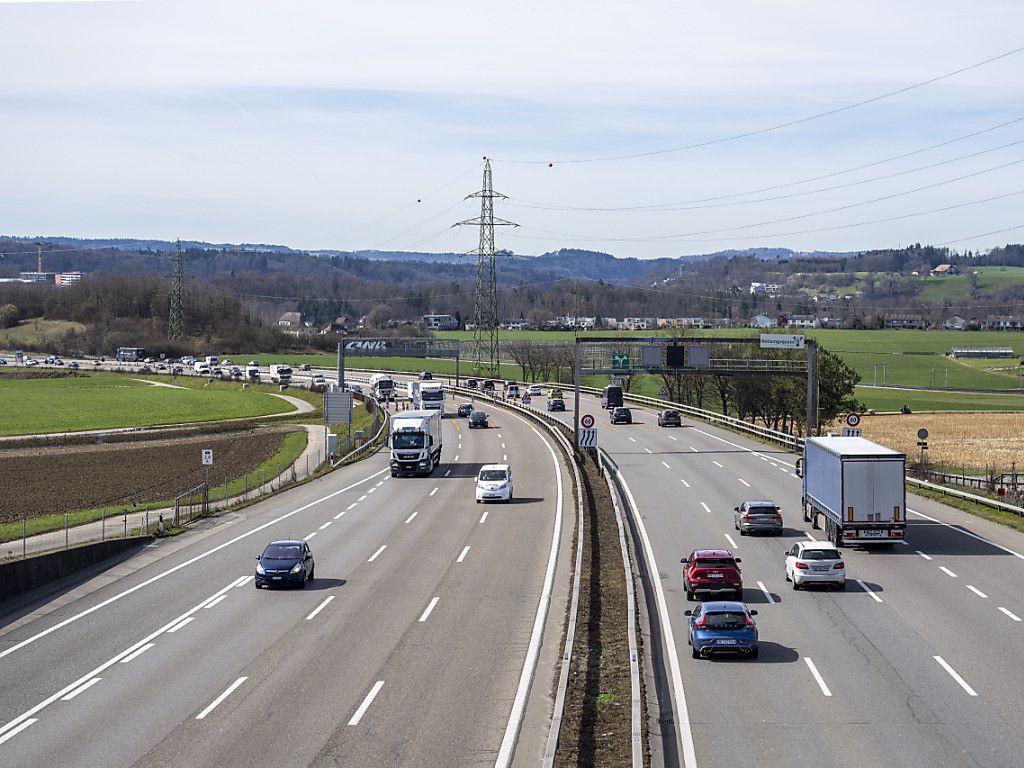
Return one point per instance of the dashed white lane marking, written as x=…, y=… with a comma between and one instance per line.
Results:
x=319, y=608
x=366, y=703
x=139, y=651
x=484, y=515
x=340, y=514
x=684, y=482
x=767, y=594
x=307, y=538
x=978, y=592
x=632, y=439
x=783, y=469
x=809, y=536
x=502, y=445
x=429, y=608
x=504, y=457
x=946, y=571
x=665, y=464
x=433, y=492
x=817, y=676
x=706, y=507
x=693, y=449
x=376, y=554
x=215, y=601
x=81, y=689
x=670, y=437
x=18, y=729
x=1012, y=615
x=743, y=481
x=499, y=435
x=733, y=543
x=379, y=484
x=462, y=555
x=448, y=473
x=351, y=506
x=870, y=591
x=362, y=498
x=181, y=624
x=955, y=676
x=648, y=450
x=325, y=525
x=715, y=463
x=371, y=490
x=922, y=554
x=410, y=517
x=456, y=457
x=214, y=704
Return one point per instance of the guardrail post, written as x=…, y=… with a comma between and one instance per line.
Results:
x=24, y=537
x=67, y=521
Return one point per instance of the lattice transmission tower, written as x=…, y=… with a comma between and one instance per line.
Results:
x=176, y=322
x=486, y=355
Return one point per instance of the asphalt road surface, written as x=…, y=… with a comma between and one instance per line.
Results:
x=408, y=648
x=916, y=663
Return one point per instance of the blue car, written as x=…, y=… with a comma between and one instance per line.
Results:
x=722, y=627
x=285, y=562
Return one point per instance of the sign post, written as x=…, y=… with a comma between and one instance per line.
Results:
x=588, y=432
x=852, y=425
x=207, y=459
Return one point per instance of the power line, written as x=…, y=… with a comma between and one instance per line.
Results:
x=778, y=126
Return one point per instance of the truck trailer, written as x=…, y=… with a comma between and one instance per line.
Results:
x=415, y=442
x=857, y=486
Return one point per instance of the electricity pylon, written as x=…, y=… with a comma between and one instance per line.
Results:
x=176, y=322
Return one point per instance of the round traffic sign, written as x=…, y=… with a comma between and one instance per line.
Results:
x=586, y=421
x=922, y=434
x=853, y=419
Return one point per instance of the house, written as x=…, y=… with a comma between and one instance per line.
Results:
x=905, y=321
x=1005, y=323
x=954, y=323
x=767, y=289
x=67, y=278
x=290, y=320
x=804, y=321
x=945, y=269
x=763, y=321
x=440, y=322
x=517, y=325
x=336, y=327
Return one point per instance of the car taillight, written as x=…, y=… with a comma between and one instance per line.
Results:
x=700, y=624
x=848, y=534
x=838, y=566
x=778, y=516
x=746, y=515
x=750, y=623
x=801, y=566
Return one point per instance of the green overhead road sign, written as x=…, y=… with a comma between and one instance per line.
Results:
x=620, y=361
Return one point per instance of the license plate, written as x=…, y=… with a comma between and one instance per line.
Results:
x=726, y=642
x=276, y=578
x=873, y=534
x=821, y=568
x=714, y=575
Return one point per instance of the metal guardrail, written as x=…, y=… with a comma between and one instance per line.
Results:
x=370, y=445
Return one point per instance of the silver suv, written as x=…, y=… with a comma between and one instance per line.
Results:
x=757, y=516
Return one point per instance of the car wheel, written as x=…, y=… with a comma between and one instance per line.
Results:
x=695, y=653
x=257, y=584
x=312, y=573
x=787, y=575
x=739, y=595
x=840, y=586
x=690, y=595
x=742, y=532
x=796, y=585
x=753, y=653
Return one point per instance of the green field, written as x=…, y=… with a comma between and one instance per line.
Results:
x=955, y=287
x=35, y=332
x=109, y=401
x=889, y=400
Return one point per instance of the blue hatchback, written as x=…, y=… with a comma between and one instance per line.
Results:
x=722, y=627
x=285, y=562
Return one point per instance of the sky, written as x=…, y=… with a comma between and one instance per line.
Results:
x=344, y=125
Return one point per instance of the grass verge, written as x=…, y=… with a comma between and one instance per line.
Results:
x=1009, y=519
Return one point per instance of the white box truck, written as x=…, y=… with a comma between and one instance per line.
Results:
x=858, y=486
x=432, y=396
x=412, y=389
x=280, y=374
x=415, y=442
x=383, y=386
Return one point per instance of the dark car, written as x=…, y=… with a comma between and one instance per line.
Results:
x=620, y=416
x=145, y=369
x=73, y=365
x=712, y=572
x=304, y=367
x=757, y=516
x=556, y=404
x=465, y=409
x=285, y=562
x=488, y=385
x=472, y=383
x=722, y=627
x=477, y=419
x=426, y=375
x=670, y=418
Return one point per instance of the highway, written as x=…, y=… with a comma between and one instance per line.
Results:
x=414, y=645
x=917, y=662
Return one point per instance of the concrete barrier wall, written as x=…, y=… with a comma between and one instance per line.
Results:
x=20, y=576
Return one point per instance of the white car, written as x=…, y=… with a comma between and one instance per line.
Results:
x=815, y=562
x=494, y=483
x=318, y=381
x=534, y=390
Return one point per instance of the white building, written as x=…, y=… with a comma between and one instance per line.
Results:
x=440, y=322
x=763, y=321
x=804, y=321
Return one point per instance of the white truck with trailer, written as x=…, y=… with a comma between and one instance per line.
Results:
x=383, y=386
x=280, y=374
x=857, y=486
x=415, y=440
x=427, y=395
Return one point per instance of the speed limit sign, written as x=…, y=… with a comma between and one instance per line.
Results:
x=853, y=419
x=586, y=421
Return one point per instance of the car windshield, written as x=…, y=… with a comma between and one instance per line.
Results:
x=492, y=475
x=479, y=415
x=714, y=562
x=433, y=395
x=283, y=552
x=407, y=440
x=820, y=554
x=725, y=619
x=671, y=413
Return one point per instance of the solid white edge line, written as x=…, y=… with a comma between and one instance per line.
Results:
x=426, y=612
x=462, y=555
x=1012, y=615
x=767, y=594
x=376, y=554
x=15, y=731
x=977, y=591
x=319, y=608
x=684, y=730
x=366, y=703
x=952, y=673
x=515, y=720
x=81, y=689
x=946, y=571
x=180, y=566
x=213, y=704
x=817, y=676
x=967, y=533
x=181, y=624
x=410, y=517
x=870, y=591
x=137, y=652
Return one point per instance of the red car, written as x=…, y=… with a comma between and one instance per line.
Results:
x=712, y=572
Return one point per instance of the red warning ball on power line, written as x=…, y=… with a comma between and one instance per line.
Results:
x=419, y=200
x=551, y=165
